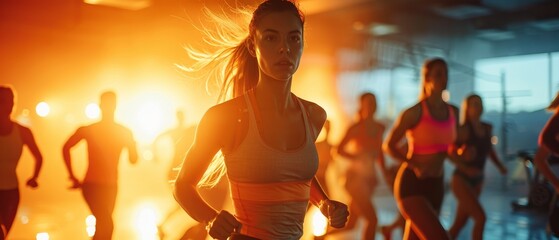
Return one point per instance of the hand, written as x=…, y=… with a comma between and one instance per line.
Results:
x=223, y=225
x=503, y=170
x=336, y=212
x=75, y=183
x=32, y=182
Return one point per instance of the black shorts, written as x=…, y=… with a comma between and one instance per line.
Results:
x=430, y=188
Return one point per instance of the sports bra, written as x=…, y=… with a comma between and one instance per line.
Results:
x=430, y=136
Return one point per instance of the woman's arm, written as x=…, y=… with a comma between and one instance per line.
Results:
x=493, y=154
x=540, y=160
x=549, y=134
x=336, y=212
x=345, y=140
x=205, y=146
x=396, y=134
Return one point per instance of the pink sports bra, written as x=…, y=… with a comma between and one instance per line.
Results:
x=430, y=135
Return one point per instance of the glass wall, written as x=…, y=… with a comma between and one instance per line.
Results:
x=530, y=81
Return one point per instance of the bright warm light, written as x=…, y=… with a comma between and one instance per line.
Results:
x=494, y=140
x=42, y=109
x=90, y=223
x=145, y=223
x=42, y=236
x=147, y=155
x=446, y=95
x=149, y=119
x=24, y=219
x=92, y=111
x=319, y=222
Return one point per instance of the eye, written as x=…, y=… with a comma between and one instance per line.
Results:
x=295, y=38
x=270, y=37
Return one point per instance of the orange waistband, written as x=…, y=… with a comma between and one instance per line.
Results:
x=271, y=192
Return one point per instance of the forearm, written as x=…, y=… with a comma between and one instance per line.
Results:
x=395, y=153
x=540, y=160
x=317, y=193
x=38, y=166
x=190, y=200
x=68, y=163
x=549, y=134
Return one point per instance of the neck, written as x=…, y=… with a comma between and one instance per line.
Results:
x=435, y=100
x=107, y=118
x=274, y=95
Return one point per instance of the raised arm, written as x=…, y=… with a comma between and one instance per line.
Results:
x=29, y=140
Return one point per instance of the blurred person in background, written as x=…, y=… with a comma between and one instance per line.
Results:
x=105, y=140
x=549, y=145
x=265, y=132
x=13, y=136
x=362, y=146
x=430, y=128
x=325, y=157
x=474, y=144
x=179, y=139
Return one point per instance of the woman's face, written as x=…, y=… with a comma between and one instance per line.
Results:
x=278, y=45
x=475, y=108
x=437, y=79
x=368, y=106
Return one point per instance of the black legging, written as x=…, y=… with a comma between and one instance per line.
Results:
x=430, y=188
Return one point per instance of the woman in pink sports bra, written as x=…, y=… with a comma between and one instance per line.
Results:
x=265, y=133
x=430, y=129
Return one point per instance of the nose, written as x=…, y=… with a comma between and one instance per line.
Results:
x=285, y=49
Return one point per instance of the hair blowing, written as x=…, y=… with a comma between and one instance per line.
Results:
x=232, y=66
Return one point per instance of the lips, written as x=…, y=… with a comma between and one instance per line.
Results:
x=284, y=63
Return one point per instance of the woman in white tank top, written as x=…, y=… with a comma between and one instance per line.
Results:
x=266, y=133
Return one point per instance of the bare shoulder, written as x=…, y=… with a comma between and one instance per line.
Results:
x=23, y=129
x=225, y=113
x=316, y=113
x=409, y=117
x=25, y=133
